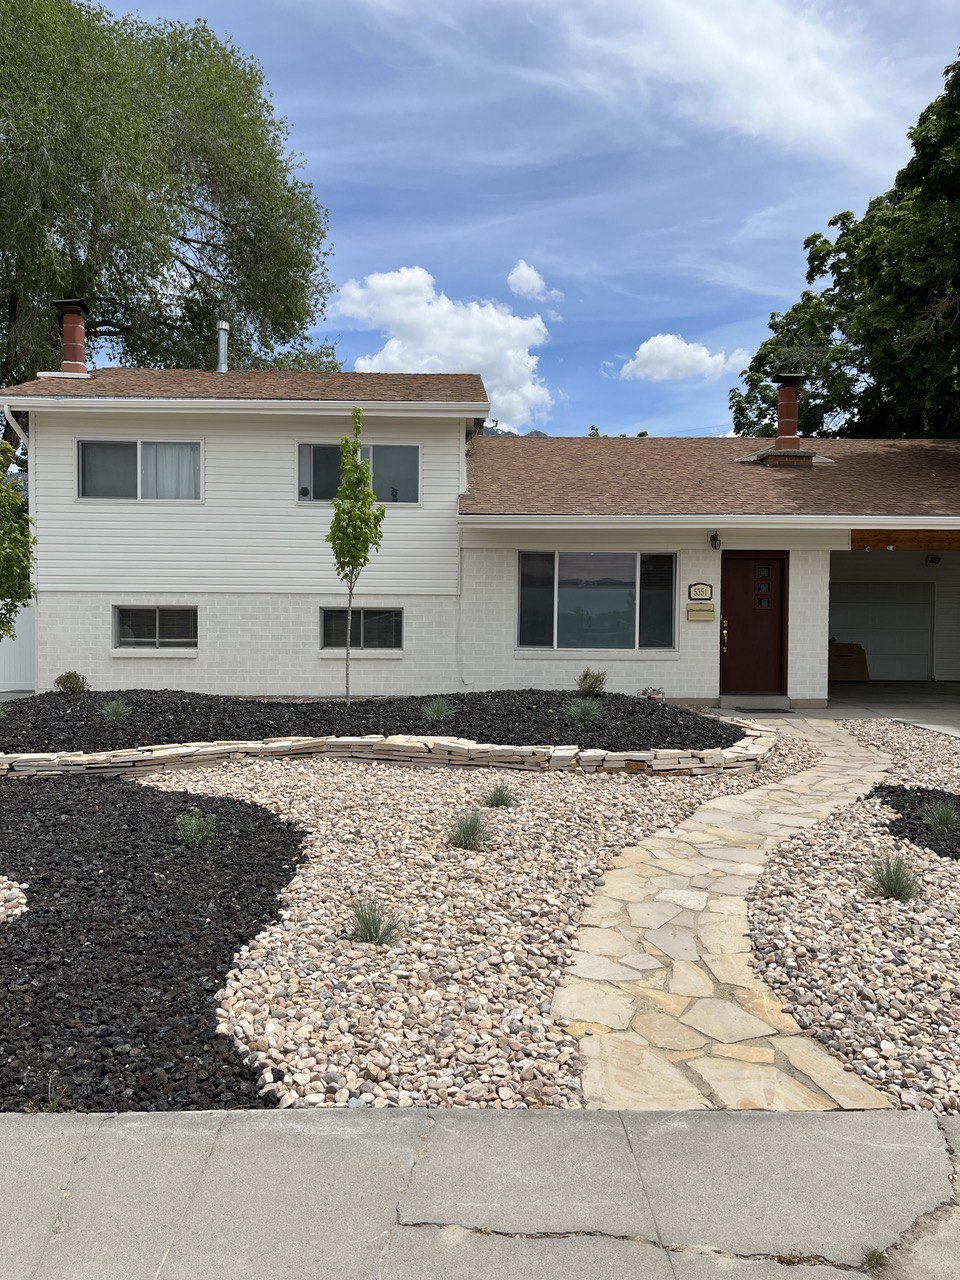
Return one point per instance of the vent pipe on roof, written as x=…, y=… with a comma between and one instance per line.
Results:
x=223, y=335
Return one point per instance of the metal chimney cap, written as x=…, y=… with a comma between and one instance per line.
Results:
x=224, y=324
x=790, y=379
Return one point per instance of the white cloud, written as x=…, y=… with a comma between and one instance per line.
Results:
x=667, y=357
x=527, y=282
x=427, y=332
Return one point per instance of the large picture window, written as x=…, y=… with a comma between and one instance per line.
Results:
x=369, y=629
x=139, y=470
x=596, y=600
x=394, y=471
x=154, y=627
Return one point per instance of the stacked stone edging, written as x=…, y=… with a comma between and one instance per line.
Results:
x=431, y=750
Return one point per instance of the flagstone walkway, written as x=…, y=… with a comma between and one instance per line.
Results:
x=667, y=1009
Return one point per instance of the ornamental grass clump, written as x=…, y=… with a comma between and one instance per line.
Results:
x=195, y=828
x=371, y=920
x=893, y=877
x=500, y=797
x=583, y=710
x=116, y=709
x=436, y=710
x=590, y=683
x=941, y=817
x=469, y=830
x=72, y=683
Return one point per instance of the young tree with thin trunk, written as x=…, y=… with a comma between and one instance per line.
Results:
x=355, y=530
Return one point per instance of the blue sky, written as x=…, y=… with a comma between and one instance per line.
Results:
x=594, y=203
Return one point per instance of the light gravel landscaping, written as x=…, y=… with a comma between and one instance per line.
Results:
x=874, y=979
x=458, y=1011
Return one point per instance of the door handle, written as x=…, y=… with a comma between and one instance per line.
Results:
x=724, y=632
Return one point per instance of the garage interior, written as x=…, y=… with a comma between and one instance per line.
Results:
x=894, y=615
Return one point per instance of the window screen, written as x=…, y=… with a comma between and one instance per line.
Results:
x=108, y=469
x=369, y=629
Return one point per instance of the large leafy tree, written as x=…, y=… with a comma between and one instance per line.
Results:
x=879, y=338
x=16, y=548
x=142, y=167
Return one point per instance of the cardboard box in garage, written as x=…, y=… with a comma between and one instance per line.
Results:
x=847, y=662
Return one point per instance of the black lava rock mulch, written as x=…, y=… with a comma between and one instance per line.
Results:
x=56, y=722
x=108, y=981
x=912, y=805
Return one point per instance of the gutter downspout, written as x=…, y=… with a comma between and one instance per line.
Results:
x=8, y=414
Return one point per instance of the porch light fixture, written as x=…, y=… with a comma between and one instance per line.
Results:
x=715, y=540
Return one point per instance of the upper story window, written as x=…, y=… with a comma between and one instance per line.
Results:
x=596, y=600
x=394, y=471
x=147, y=470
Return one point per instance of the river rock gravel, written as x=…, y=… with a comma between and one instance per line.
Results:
x=875, y=980
x=457, y=1012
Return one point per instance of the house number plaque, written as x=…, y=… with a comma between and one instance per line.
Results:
x=700, y=591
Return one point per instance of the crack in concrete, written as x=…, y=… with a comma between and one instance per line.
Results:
x=188, y=1203
x=419, y=1155
x=85, y=1142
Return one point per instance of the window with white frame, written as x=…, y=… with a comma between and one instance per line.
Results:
x=596, y=600
x=394, y=471
x=140, y=470
x=369, y=629
x=154, y=627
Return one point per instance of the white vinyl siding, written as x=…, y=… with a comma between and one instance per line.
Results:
x=250, y=532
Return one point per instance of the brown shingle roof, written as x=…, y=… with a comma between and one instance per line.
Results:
x=692, y=476
x=259, y=384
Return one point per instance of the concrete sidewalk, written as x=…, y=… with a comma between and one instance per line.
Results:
x=403, y=1195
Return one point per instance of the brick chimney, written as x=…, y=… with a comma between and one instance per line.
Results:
x=73, y=313
x=787, y=449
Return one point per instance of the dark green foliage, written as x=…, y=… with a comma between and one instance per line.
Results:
x=195, y=828
x=879, y=341
x=590, y=683
x=893, y=877
x=436, y=710
x=144, y=169
x=372, y=921
x=16, y=547
x=499, y=797
x=469, y=830
x=72, y=683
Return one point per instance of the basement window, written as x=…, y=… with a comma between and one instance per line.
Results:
x=369, y=629
x=154, y=627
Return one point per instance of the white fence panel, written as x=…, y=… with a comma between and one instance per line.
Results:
x=18, y=657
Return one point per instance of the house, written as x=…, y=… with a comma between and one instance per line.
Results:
x=181, y=517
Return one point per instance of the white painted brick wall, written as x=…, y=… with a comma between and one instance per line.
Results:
x=270, y=643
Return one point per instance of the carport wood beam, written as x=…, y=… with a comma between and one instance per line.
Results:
x=905, y=539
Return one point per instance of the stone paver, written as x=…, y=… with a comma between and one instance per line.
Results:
x=679, y=898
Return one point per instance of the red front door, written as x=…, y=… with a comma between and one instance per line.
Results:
x=753, y=599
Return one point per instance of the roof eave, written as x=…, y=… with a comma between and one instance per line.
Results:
x=209, y=404
x=728, y=520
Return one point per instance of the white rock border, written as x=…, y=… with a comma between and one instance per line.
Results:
x=745, y=756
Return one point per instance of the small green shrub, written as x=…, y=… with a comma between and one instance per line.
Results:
x=372, y=921
x=893, y=877
x=469, y=830
x=499, y=797
x=583, y=710
x=590, y=683
x=72, y=683
x=941, y=817
x=436, y=710
x=195, y=828
x=116, y=709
